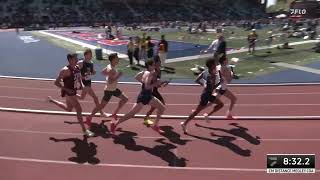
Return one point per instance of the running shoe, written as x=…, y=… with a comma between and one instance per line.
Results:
x=89, y=133
x=184, y=128
x=206, y=117
x=148, y=122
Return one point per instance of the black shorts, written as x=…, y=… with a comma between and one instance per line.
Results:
x=206, y=97
x=108, y=94
x=145, y=97
x=221, y=91
x=64, y=93
x=156, y=94
x=86, y=83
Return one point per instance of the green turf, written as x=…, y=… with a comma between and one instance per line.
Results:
x=236, y=37
x=258, y=64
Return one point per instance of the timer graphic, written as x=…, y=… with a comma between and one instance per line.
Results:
x=291, y=163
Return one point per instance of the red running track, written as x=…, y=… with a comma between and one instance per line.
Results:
x=252, y=101
x=46, y=146
x=39, y=146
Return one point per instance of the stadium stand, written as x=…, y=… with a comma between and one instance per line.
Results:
x=85, y=12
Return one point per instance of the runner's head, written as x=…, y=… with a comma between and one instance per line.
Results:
x=223, y=61
x=157, y=62
x=72, y=59
x=87, y=54
x=221, y=37
x=113, y=58
x=211, y=65
x=150, y=65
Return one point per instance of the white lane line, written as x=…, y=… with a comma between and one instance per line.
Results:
x=180, y=104
x=154, y=137
x=174, y=84
x=169, y=93
x=133, y=165
x=130, y=165
x=165, y=116
x=301, y=68
x=107, y=51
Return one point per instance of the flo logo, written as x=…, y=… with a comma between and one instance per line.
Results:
x=298, y=11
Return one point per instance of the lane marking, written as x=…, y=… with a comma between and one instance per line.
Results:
x=175, y=84
x=129, y=165
x=16, y=110
x=170, y=93
x=297, y=67
x=173, y=104
x=133, y=165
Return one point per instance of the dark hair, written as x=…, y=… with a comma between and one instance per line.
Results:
x=71, y=55
x=148, y=38
x=162, y=36
x=149, y=63
x=112, y=56
x=210, y=62
x=156, y=59
x=222, y=60
x=87, y=51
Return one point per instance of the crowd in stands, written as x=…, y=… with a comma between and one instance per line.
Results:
x=84, y=12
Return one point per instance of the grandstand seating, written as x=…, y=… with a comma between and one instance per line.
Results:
x=84, y=12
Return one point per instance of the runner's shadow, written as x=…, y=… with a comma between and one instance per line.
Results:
x=172, y=136
x=127, y=139
x=100, y=130
x=238, y=131
x=85, y=151
x=225, y=141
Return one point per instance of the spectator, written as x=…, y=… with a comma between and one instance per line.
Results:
x=131, y=49
x=163, y=49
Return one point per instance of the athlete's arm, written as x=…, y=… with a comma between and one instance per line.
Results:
x=93, y=71
x=112, y=74
x=138, y=76
x=211, y=45
x=58, y=80
x=105, y=71
x=148, y=79
x=80, y=64
x=199, y=78
x=226, y=74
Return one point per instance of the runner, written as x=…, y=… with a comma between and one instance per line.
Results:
x=155, y=92
x=207, y=94
x=145, y=98
x=112, y=76
x=225, y=78
x=87, y=71
x=71, y=77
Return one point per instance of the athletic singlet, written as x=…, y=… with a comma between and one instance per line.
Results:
x=111, y=86
x=223, y=83
x=87, y=69
x=71, y=82
x=209, y=82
